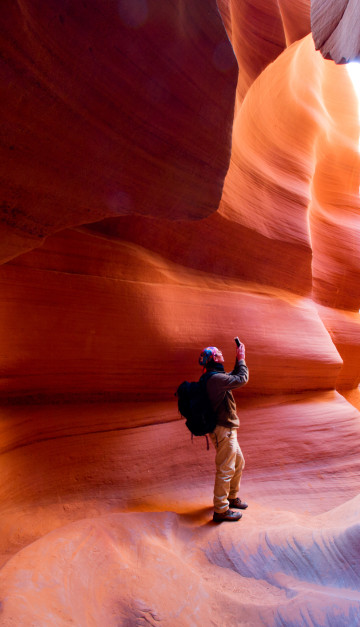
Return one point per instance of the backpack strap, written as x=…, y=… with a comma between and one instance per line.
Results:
x=206, y=376
x=207, y=441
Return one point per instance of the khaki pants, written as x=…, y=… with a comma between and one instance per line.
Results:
x=230, y=463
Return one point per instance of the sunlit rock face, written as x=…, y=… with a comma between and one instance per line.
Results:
x=260, y=30
x=106, y=501
x=335, y=26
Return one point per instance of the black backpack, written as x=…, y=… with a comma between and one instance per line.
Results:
x=194, y=404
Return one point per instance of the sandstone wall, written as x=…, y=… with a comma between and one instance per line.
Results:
x=173, y=175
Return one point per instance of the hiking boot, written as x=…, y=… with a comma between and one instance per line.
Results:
x=228, y=515
x=237, y=503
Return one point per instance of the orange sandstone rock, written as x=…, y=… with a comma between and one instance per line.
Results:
x=122, y=115
x=260, y=31
x=107, y=308
x=111, y=109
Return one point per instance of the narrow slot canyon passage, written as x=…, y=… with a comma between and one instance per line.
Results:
x=175, y=174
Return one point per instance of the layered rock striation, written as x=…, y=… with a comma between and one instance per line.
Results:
x=111, y=109
x=335, y=26
x=175, y=174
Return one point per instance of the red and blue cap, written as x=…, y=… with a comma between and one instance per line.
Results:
x=207, y=355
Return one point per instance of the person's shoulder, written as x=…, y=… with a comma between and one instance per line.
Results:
x=216, y=374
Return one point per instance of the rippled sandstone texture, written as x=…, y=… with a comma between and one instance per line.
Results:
x=143, y=244
x=335, y=26
x=111, y=109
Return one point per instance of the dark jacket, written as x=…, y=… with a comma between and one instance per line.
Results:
x=219, y=388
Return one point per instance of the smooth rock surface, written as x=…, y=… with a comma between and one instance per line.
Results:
x=336, y=29
x=110, y=109
x=153, y=204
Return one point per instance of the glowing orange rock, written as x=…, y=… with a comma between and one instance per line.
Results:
x=106, y=501
x=260, y=30
x=106, y=308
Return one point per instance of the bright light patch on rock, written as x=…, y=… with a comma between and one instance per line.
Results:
x=354, y=73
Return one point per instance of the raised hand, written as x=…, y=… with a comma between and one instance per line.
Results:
x=240, y=351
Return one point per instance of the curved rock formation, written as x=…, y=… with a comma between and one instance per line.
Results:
x=257, y=577
x=107, y=314
x=143, y=244
x=260, y=30
x=335, y=26
x=111, y=109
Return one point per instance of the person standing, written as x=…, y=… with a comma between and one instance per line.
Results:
x=229, y=459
